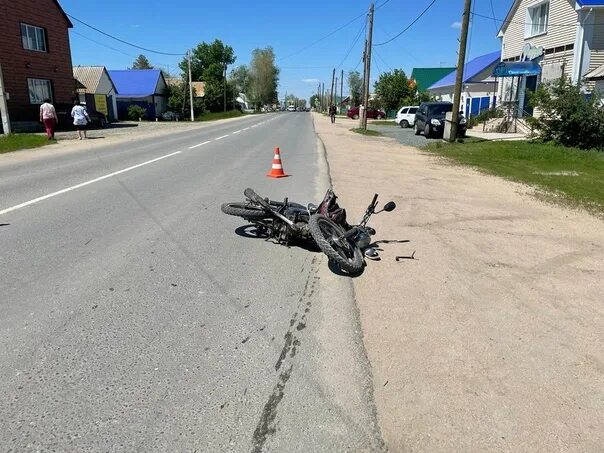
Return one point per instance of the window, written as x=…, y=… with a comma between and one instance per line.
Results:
x=39, y=89
x=33, y=38
x=403, y=111
x=536, y=20
x=412, y=110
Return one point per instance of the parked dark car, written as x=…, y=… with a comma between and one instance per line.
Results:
x=97, y=119
x=171, y=116
x=374, y=114
x=430, y=119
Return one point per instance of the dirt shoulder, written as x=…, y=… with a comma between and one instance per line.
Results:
x=491, y=339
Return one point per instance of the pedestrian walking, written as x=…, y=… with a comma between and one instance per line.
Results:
x=332, y=113
x=80, y=119
x=48, y=117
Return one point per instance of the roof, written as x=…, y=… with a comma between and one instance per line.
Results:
x=136, y=83
x=470, y=70
x=90, y=77
x=69, y=24
x=596, y=74
x=425, y=77
x=578, y=4
x=199, y=87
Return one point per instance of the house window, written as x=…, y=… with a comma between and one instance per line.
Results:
x=536, y=19
x=33, y=38
x=39, y=89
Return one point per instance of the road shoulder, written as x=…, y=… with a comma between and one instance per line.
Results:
x=490, y=339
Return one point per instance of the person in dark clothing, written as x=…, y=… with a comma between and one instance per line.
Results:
x=332, y=113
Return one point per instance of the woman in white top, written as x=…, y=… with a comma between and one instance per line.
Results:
x=48, y=116
x=80, y=119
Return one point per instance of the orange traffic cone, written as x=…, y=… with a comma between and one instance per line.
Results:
x=277, y=168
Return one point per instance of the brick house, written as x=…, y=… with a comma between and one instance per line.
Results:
x=35, y=58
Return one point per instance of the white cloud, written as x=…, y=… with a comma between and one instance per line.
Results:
x=310, y=80
x=456, y=25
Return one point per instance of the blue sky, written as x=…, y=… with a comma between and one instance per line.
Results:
x=288, y=26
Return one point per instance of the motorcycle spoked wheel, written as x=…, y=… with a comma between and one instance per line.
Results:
x=245, y=210
x=345, y=253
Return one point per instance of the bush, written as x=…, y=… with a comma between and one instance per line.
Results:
x=136, y=112
x=568, y=116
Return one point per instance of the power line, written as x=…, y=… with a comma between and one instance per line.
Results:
x=383, y=61
x=354, y=43
x=410, y=25
x=382, y=4
x=494, y=20
x=101, y=44
x=322, y=38
x=122, y=41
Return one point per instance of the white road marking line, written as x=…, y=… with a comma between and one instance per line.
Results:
x=220, y=138
x=199, y=144
x=254, y=125
x=236, y=132
x=245, y=129
x=83, y=184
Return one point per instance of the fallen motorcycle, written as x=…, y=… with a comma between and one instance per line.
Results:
x=324, y=224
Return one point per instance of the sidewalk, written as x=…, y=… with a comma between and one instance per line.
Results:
x=491, y=339
x=495, y=136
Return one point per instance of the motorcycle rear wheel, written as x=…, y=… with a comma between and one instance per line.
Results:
x=245, y=210
x=324, y=231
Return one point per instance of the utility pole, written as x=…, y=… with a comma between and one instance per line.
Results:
x=333, y=75
x=224, y=86
x=367, y=72
x=461, y=60
x=318, y=107
x=335, y=98
x=341, y=89
x=4, y=106
x=190, y=85
x=322, y=96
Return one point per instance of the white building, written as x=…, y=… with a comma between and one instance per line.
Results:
x=479, y=89
x=542, y=40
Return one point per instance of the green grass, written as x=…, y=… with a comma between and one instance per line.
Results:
x=14, y=142
x=368, y=132
x=566, y=175
x=219, y=115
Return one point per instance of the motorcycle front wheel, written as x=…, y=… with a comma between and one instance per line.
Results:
x=344, y=252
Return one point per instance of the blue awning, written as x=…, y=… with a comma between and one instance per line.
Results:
x=516, y=68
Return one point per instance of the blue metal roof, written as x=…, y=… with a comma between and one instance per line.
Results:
x=471, y=69
x=135, y=83
x=590, y=2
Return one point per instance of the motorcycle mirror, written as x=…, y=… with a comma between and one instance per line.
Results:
x=389, y=206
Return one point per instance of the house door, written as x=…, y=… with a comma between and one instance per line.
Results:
x=531, y=86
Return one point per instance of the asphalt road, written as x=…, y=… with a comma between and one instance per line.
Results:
x=135, y=316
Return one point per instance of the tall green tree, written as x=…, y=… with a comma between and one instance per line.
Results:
x=208, y=64
x=239, y=78
x=264, y=76
x=141, y=62
x=393, y=89
x=355, y=87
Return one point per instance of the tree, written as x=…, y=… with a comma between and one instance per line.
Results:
x=315, y=100
x=393, y=89
x=264, y=76
x=178, y=99
x=567, y=116
x=141, y=62
x=208, y=64
x=355, y=87
x=239, y=78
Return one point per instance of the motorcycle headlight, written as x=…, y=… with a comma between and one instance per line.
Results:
x=435, y=122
